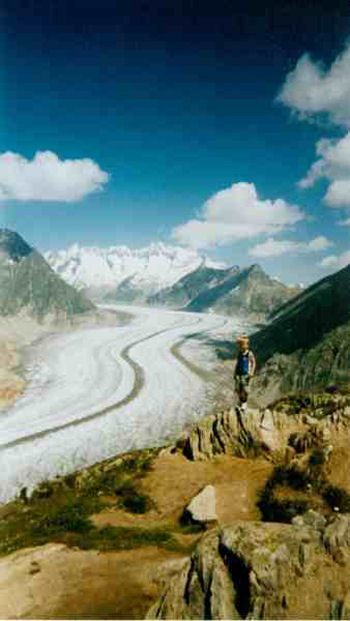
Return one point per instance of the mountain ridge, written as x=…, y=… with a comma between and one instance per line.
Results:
x=234, y=291
x=28, y=283
x=169, y=276
x=150, y=268
x=306, y=345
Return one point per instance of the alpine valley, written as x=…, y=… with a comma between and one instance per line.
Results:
x=169, y=276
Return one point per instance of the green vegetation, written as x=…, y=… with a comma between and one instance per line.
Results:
x=66, y=520
x=123, y=538
x=131, y=499
x=312, y=491
x=60, y=510
x=337, y=497
x=47, y=519
x=283, y=510
x=317, y=405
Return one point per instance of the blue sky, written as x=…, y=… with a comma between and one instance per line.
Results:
x=158, y=120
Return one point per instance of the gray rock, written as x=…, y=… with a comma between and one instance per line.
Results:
x=314, y=519
x=202, y=507
x=235, y=433
x=298, y=520
x=337, y=534
x=252, y=571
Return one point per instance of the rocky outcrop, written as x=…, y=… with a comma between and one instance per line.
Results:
x=227, y=432
x=337, y=536
x=267, y=431
x=263, y=571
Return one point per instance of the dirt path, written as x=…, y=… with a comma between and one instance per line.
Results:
x=54, y=581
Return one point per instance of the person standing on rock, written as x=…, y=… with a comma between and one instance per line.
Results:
x=245, y=369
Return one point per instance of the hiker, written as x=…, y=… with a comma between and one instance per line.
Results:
x=245, y=369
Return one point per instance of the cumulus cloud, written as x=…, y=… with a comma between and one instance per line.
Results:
x=333, y=163
x=336, y=261
x=318, y=243
x=47, y=178
x=275, y=248
x=311, y=89
x=236, y=213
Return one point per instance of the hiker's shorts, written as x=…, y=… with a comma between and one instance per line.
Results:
x=242, y=384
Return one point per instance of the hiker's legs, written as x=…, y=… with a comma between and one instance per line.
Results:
x=242, y=391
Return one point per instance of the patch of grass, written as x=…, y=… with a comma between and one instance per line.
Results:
x=122, y=538
x=72, y=516
x=190, y=529
x=67, y=521
x=283, y=510
x=59, y=510
x=132, y=499
x=317, y=457
x=337, y=497
x=273, y=510
x=46, y=520
x=319, y=404
x=290, y=476
x=112, y=474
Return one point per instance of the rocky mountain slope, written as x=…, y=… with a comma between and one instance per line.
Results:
x=187, y=288
x=233, y=291
x=169, y=276
x=126, y=274
x=307, y=342
x=28, y=284
x=32, y=299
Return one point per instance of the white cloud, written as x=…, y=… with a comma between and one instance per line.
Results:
x=334, y=165
x=336, y=262
x=310, y=89
x=47, y=178
x=275, y=248
x=344, y=222
x=318, y=243
x=236, y=213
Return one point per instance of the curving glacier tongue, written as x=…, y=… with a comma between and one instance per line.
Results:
x=98, y=392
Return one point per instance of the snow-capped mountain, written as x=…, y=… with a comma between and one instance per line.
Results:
x=148, y=269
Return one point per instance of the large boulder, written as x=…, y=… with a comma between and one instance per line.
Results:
x=255, y=570
x=201, y=509
x=337, y=536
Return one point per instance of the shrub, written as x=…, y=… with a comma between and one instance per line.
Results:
x=337, y=497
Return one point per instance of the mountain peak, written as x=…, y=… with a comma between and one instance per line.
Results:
x=152, y=268
x=29, y=285
x=14, y=245
x=256, y=269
